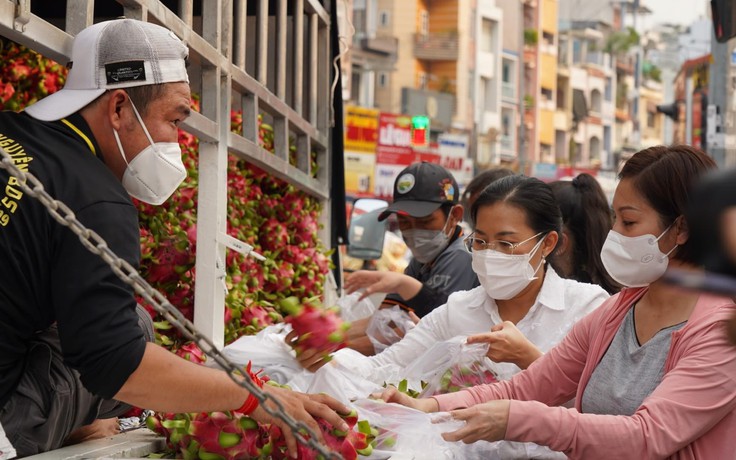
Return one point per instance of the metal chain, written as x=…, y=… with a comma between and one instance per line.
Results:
x=95, y=244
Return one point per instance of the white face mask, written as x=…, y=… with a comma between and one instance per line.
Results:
x=156, y=172
x=426, y=245
x=502, y=275
x=634, y=261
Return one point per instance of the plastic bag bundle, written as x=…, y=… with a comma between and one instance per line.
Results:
x=403, y=432
x=450, y=366
x=353, y=309
x=388, y=326
x=266, y=350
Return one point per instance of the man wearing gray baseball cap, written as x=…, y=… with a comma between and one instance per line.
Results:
x=71, y=347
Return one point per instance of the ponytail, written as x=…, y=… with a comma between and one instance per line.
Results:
x=588, y=219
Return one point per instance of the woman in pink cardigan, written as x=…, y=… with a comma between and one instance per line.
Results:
x=651, y=370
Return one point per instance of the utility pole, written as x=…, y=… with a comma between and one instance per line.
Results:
x=636, y=134
x=521, y=91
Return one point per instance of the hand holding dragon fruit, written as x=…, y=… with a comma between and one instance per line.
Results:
x=316, y=328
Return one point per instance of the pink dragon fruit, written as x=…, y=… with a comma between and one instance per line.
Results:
x=191, y=352
x=317, y=328
x=230, y=436
x=459, y=377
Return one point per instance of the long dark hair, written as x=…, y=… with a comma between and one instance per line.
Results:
x=529, y=194
x=588, y=219
x=665, y=176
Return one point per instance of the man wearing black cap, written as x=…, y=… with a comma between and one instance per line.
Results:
x=426, y=204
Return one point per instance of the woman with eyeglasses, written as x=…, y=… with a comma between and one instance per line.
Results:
x=651, y=370
x=522, y=308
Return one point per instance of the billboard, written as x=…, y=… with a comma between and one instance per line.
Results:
x=361, y=136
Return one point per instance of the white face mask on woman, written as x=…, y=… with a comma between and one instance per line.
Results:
x=156, y=172
x=634, y=261
x=502, y=275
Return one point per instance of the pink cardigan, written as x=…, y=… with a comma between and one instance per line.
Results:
x=690, y=415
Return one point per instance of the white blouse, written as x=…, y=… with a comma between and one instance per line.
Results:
x=561, y=303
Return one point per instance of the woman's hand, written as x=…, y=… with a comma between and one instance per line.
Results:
x=302, y=407
x=392, y=395
x=508, y=345
x=485, y=422
x=388, y=282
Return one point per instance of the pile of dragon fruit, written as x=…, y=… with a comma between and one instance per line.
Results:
x=231, y=436
x=271, y=215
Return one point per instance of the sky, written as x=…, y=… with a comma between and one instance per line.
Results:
x=675, y=11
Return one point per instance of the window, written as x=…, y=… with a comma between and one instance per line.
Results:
x=382, y=79
x=595, y=150
x=577, y=51
x=507, y=71
x=384, y=19
x=595, y=101
x=548, y=38
x=486, y=37
x=547, y=96
x=609, y=92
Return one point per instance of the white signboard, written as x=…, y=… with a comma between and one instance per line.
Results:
x=453, y=150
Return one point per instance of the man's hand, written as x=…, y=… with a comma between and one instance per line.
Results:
x=392, y=395
x=486, y=422
x=311, y=359
x=388, y=282
x=508, y=345
x=303, y=408
x=100, y=428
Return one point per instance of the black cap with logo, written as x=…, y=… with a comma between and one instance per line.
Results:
x=420, y=189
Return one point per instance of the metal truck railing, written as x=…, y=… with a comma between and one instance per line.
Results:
x=259, y=56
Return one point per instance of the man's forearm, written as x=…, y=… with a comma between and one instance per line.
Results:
x=363, y=345
x=180, y=386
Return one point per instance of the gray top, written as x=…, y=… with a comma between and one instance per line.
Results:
x=628, y=372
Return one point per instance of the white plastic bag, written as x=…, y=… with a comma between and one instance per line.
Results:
x=352, y=309
x=266, y=350
x=408, y=433
x=450, y=366
x=6, y=449
x=337, y=381
x=388, y=326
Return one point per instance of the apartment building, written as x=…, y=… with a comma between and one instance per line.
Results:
x=585, y=117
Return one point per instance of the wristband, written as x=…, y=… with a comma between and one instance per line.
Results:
x=251, y=403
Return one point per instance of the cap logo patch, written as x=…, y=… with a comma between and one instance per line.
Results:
x=119, y=72
x=447, y=189
x=405, y=183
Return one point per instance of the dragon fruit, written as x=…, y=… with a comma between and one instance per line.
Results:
x=459, y=377
x=191, y=352
x=317, y=328
x=231, y=436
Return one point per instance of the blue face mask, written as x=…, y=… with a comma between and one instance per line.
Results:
x=426, y=245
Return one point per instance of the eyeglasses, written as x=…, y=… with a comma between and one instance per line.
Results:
x=476, y=244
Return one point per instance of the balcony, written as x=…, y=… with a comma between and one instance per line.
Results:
x=436, y=46
x=383, y=45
